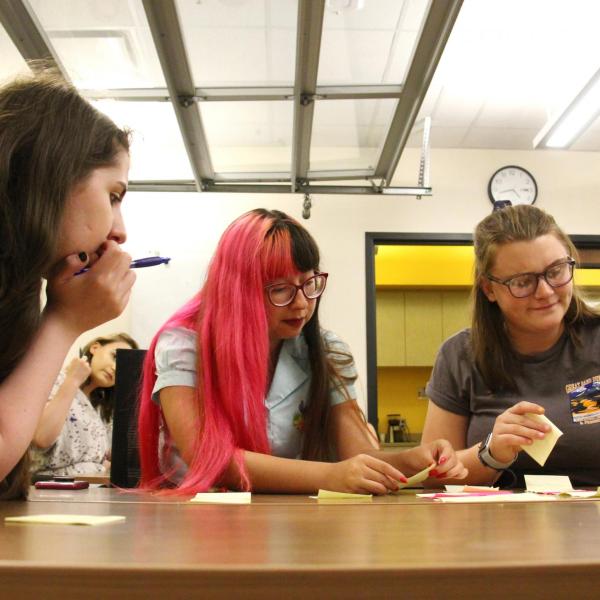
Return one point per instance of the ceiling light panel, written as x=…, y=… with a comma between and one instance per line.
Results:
x=240, y=42
x=249, y=136
x=12, y=62
x=157, y=150
x=590, y=140
x=103, y=44
x=349, y=134
x=369, y=41
x=511, y=65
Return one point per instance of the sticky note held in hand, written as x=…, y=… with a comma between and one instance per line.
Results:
x=417, y=478
x=540, y=449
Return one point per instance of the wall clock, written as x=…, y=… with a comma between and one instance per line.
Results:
x=513, y=183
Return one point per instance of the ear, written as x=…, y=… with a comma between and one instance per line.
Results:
x=94, y=347
x=486, y=288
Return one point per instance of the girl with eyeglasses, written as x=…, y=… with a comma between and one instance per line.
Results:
x=242, y=381
x=533, y=349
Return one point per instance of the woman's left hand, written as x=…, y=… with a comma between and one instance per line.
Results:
x=440, y=453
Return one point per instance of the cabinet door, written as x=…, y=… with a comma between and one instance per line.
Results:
x=456, y=312
x=423, y=319
x=390, y=328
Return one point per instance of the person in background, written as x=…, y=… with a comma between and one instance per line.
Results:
x=74, y=435
x=533, y=349
x=242, y=388
x=63, y=175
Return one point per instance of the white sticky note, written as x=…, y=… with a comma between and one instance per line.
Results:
x=222, y=498
x=548, y=483
x=66, y=519
x=329, y=495
x=417, y=478
x=540, y=449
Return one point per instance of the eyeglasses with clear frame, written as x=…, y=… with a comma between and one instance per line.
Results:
x=282, y=294
x=526, y=284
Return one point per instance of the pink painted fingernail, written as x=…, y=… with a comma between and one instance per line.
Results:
x=403, y=479
x=442, y=460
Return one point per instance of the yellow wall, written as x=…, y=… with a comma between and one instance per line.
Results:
x=397, y=393
x=424, y=266
x=443, y=266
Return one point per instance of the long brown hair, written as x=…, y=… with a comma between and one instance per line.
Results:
x=102, y=398
x=492, y=349
x=50, y=140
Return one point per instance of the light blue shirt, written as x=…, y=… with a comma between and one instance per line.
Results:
x=175, y=358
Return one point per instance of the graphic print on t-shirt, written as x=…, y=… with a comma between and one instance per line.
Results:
x=584, y=397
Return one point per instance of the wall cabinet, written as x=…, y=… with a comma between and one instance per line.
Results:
x=411, y=325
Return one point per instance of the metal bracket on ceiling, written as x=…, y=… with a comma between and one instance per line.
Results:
x=377, y=188
x=424, y=161
x=186, y=101
x=306, y=99
x=306, y=206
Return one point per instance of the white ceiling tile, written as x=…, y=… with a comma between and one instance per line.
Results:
x=515, y=114
x=499, y=137
x=353, y=57
x=455, y=108
x=368, y=15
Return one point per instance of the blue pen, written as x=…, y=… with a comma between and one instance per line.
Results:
x=140, y=263
x=150, y=261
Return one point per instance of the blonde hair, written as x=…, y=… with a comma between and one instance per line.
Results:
x=492, y=350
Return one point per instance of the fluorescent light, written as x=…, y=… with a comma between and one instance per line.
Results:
x=567, y=125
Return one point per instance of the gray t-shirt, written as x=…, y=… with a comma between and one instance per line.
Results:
x=565, y=380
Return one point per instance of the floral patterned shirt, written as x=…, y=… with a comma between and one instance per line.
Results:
x=83, y=443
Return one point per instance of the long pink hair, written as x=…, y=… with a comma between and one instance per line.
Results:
x=230, y=319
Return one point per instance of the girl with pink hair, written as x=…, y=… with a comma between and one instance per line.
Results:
x=242, y=382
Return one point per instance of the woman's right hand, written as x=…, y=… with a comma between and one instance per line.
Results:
x=78, y=370
x=99, y=295
x=364, y=474
x=513, y=429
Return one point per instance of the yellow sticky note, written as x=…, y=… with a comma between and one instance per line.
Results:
x=540, y=449
x=222, y=498
x=417, y=478
x=66, y=519
x=329, y=495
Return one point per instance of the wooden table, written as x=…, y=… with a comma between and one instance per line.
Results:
x=293, y=547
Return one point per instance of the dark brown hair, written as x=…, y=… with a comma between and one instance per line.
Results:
x=51, y=139
x=492, y=349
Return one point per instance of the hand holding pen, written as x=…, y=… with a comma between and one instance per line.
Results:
x=140, y=263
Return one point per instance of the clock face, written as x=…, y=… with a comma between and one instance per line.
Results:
x=513, y=183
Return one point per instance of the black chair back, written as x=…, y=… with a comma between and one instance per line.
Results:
x=125, y=462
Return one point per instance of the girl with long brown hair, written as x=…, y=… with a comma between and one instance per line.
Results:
x=63, y=175
x=74, y=435
x=533, y=349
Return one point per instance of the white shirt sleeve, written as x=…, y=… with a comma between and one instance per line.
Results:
x=175, y=357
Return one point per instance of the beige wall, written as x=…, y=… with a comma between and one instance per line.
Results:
x=187, y=227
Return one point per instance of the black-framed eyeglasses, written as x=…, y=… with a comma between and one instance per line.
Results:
x=282, y=294
x=525, y=284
